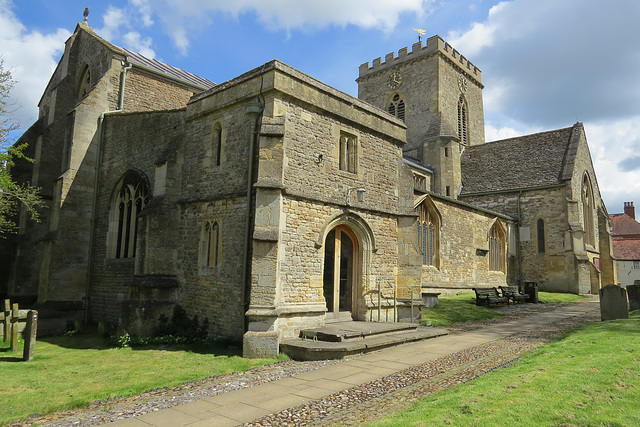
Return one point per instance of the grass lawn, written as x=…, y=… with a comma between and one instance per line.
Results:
x=73, y=371
x=462, y=308
x=589, y=378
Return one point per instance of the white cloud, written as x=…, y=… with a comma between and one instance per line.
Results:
x=492, y=133
x=179, y=15
x=136, y=43
x=118, y=26
x=31, y=57
x=548, y=64
x=113, y=20
x=144, y=8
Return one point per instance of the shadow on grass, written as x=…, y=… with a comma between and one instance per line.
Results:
x=11, y=359
x=92, y=340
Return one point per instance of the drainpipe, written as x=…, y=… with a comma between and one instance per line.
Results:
x=254, y=111
x=126, y=66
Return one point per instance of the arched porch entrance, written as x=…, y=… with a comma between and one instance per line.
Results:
x=342, y=273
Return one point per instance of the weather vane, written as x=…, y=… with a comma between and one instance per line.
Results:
x=420, y=33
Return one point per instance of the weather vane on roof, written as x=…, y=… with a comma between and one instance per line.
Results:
x=420, y=33
x=86, y=15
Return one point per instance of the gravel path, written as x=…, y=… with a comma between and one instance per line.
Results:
x=355, y=406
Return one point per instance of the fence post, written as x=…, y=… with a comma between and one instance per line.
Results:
x=7, y=323
x=14, y=327
x=30, y=332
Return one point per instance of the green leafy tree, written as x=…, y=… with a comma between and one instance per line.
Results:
x=12, y=194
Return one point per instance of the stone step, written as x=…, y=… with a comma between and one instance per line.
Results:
x=346, y=331
x=310, y=349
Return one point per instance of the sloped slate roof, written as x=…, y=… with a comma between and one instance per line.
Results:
x=523, y=162
x=160, y=67
x=624, y=225
x=626, y=250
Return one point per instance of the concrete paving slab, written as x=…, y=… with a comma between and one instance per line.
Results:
x=240, y=412
x=168, y=418
x=196, y=408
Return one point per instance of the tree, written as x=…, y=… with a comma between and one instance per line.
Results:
x=12, y=194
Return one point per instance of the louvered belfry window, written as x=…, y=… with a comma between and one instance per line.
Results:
x=397, y=107
x=463, y=122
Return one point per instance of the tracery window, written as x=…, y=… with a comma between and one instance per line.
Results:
x=84, y=82
x=131, y=197
x=348, y=152
x=587, y=211
x=497, y=243
x=428, y=234
x=397, y=107
x=463, y=121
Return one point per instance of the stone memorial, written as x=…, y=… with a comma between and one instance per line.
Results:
x=30, y=335
x=633, y=292
x=613, y=303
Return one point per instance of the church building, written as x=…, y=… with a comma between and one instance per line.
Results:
x=273, y=202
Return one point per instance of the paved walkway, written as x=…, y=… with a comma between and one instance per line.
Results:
x=242, y=406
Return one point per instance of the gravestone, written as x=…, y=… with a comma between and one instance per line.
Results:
x=30, y=335
x=613, y=303
x=633, y=292
x=15, y=312
x=7, y=320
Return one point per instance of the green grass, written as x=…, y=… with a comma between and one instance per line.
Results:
x=73, y=371
x=462, y=308
x=589, y=378
x=456, y=309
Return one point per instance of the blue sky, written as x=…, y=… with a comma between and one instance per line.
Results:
x=545, y=63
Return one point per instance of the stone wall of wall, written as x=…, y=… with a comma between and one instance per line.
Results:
x=463, y=251
x=147, y=92
x=135, y=142
x=555, y=268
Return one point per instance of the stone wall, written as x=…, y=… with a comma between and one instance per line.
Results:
x=463, y=250
x=555, y=268
x=136, y=142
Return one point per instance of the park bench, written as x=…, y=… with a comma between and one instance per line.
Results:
x=488, y=296
x=513, y=293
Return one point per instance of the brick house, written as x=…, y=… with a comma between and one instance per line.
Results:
x=626, y=244
x=273, y=202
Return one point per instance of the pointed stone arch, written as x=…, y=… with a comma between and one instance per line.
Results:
x=428, y=229
x=497, y=239
x=354, y=230
x=130, y=195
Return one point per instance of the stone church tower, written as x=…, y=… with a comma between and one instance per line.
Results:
x=437, y=93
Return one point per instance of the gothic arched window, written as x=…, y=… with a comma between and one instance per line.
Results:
x=587, y=211
x=130, y=198
x=84, y=84
x=428, y=234
x=463, y=121
x=497, y=244
x=397, y=107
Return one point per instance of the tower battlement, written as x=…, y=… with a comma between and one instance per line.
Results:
x=434, y=45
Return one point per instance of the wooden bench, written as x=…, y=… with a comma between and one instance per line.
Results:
x=488, y=296
x=513, y=293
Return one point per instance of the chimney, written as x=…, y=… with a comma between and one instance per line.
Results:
x=629, y=209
